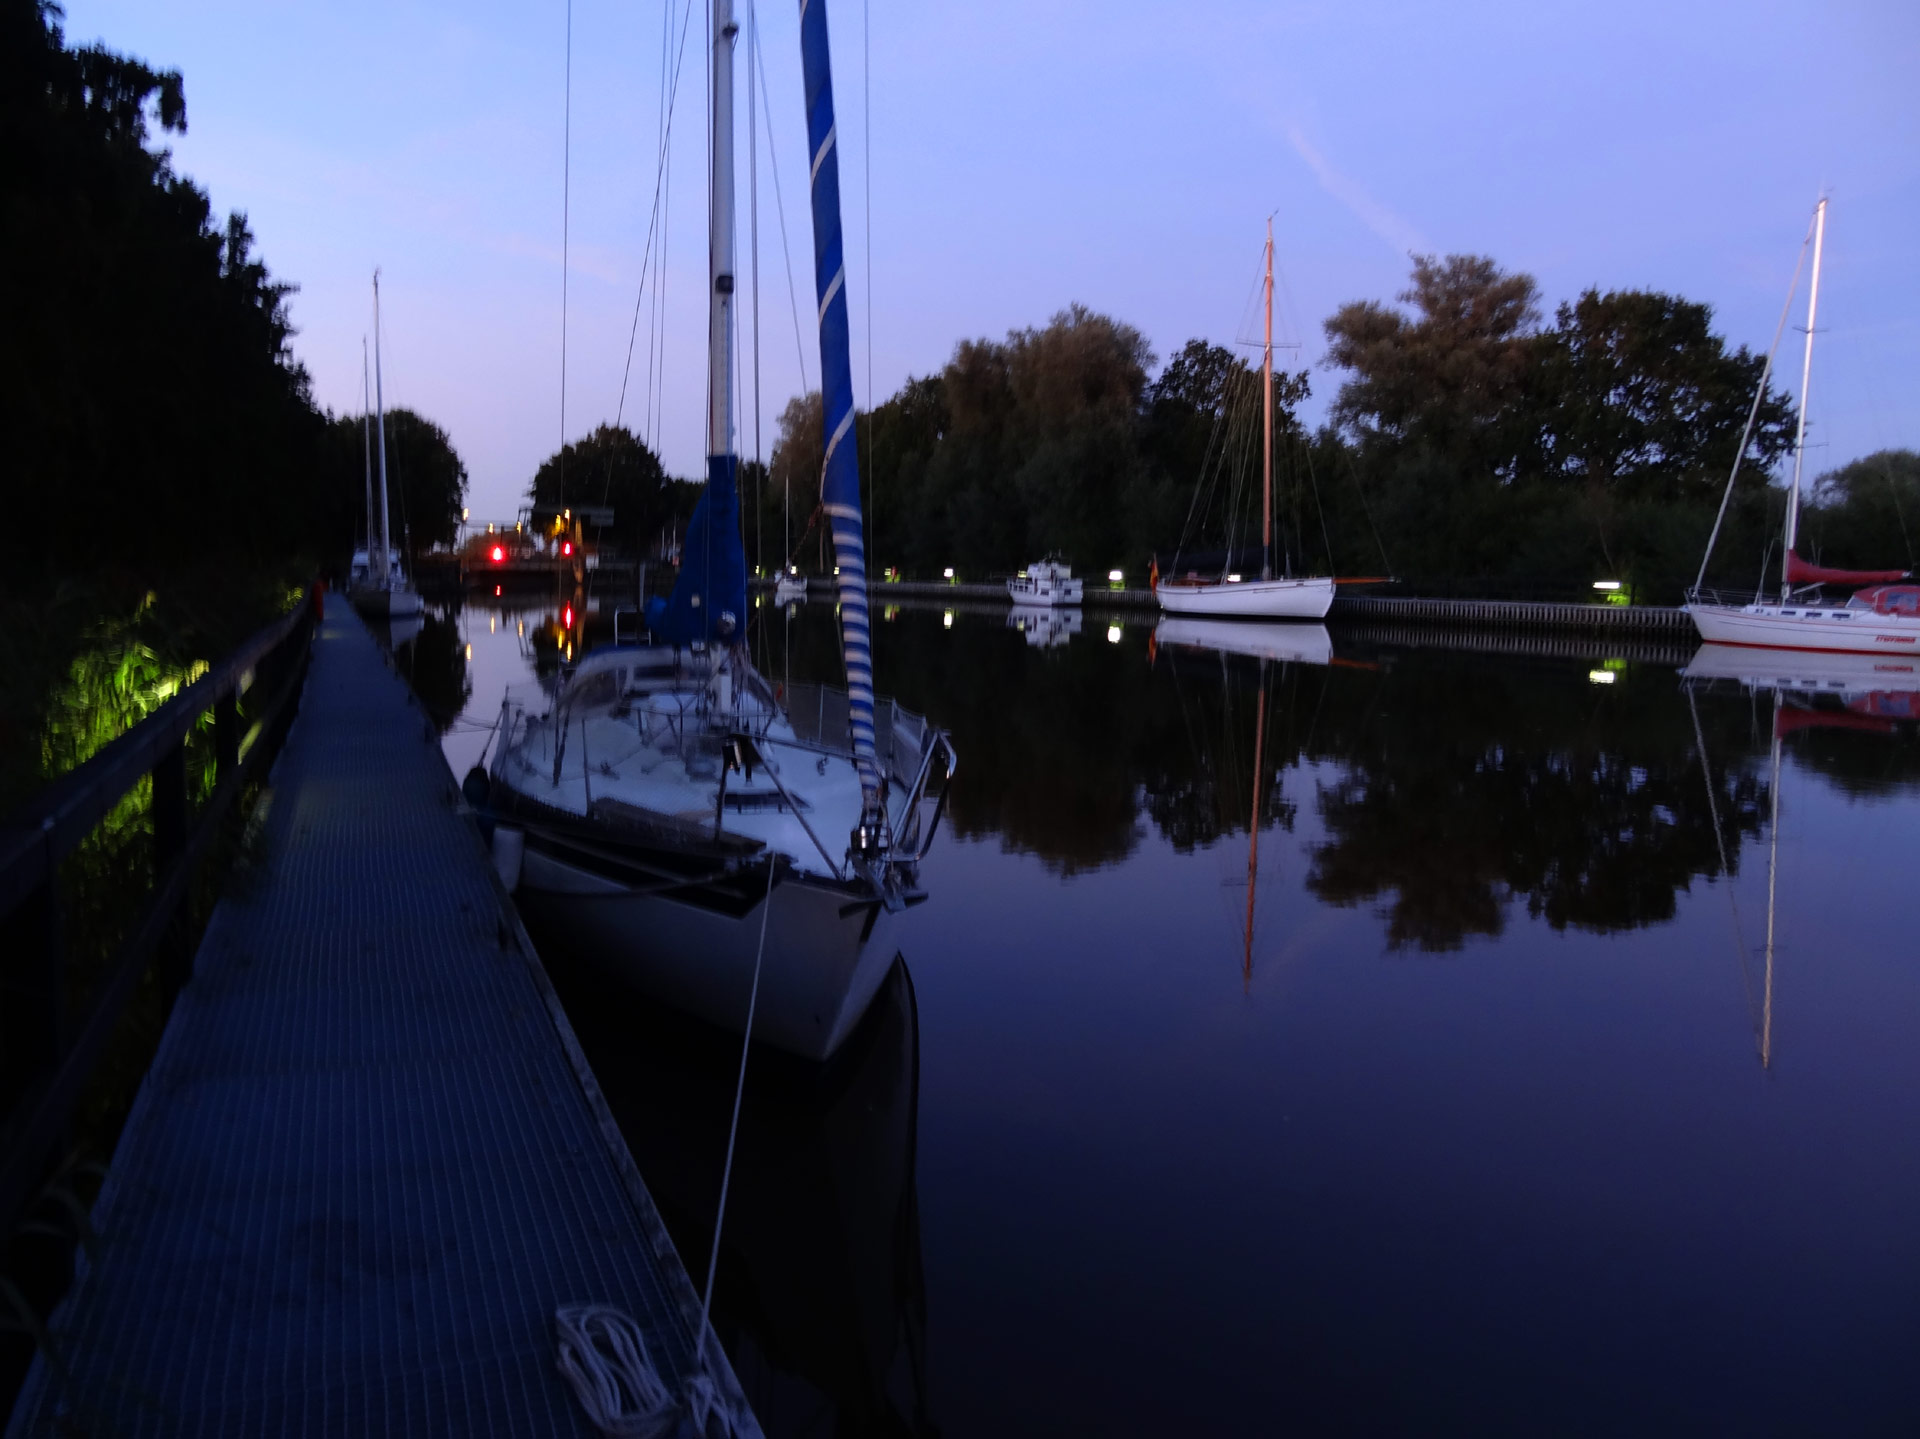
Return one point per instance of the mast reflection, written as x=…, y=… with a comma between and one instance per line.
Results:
x=1810, y=691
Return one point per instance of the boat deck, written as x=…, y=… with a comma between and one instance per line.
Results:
x=368, y=1162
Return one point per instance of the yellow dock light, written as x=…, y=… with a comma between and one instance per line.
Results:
x=1606, y=584
x=946, y=620
x=1113, y=634
x=1115, y=577
x=947, y=573
x=469, y=653
x=1233, y=579
x=1601, y=677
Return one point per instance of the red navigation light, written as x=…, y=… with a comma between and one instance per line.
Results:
x=499, y=554
x=566, y=547
x=566, y=617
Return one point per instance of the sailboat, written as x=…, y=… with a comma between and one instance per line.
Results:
x=1882, y=616
x=384, y=589
x=671, y=809
x=1270, y=596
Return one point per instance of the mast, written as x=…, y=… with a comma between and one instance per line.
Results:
x=380, y=420
x=1806, y=377
x=709, y=600
x=840, y=476
x=720, y=244
x=1266, y=431
x=366, y=438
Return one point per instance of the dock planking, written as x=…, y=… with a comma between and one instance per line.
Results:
x=369, y=1161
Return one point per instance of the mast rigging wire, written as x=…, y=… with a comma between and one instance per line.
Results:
x=656, y=220
x=566, y=212
x=1759, y=394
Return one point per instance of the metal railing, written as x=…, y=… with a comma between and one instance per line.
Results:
x=46, y=1055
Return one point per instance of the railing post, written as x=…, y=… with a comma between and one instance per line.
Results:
x=226, y=734
x=33, y=989
x=169, y=843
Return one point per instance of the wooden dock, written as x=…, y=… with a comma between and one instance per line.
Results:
x=369, y=1160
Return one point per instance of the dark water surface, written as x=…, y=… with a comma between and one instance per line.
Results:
x=1499, y=1122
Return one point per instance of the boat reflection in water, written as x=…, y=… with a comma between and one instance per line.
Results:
x=820, y=1298
x=1875, y=694
x=1044, y=628
x=1272, y=644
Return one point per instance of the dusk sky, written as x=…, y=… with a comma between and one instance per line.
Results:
x=1025, y=156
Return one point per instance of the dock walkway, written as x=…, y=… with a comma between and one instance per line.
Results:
x=368, y=1162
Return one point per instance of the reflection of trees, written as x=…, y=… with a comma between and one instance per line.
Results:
x=1862, y=764
x=1471, y=784
x=435, y=662
x=1458, y=785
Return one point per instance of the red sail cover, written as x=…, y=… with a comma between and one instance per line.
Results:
x=1799, y=572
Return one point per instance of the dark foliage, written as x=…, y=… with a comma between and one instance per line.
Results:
x=611, y=468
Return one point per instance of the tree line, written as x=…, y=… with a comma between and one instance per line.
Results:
x=149, y=368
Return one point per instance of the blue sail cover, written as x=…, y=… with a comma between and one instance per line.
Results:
x=713, y=567
x=840, y=484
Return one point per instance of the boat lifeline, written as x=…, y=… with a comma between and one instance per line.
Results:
x=674, y=812
x=1881, y=616
x=1269, y=596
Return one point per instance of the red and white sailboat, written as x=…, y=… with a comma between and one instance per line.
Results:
x=1881, y=616
x=1271, y=596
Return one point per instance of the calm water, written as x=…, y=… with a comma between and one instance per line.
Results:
x=1495, y=1123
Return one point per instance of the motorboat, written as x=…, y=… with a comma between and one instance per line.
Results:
x=1045, y=582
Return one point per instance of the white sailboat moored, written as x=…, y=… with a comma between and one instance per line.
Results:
x=677, y=815
x=1880, y=616
x=1192, y=591
x=382, y=589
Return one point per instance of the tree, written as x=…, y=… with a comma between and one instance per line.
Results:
x=145, y=369
x=1865, y=515
x=1454, y=377
x=426, y=481
x=611, y=468
x=799, y=458
x=1646, y=402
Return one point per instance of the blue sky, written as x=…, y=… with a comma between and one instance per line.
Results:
x=1024, y=156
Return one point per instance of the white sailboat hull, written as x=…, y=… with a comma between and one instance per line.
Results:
x=1807, y=627
x=826, y=952
x=393, y=603
x=1286, y=599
